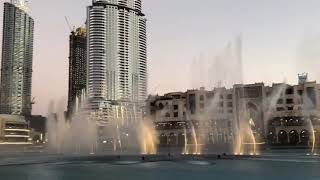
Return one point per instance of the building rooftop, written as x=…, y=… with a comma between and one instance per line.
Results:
x=21, y=4
x=14, y=118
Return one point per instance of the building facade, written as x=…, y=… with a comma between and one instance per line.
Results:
x=77, y=68
x=280, y=114
x=14, y=130
x=295, y=117
x=182, y=117
x=17, y=55
x=117, y=62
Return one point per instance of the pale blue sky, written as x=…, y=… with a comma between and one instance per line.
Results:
x=281, y=38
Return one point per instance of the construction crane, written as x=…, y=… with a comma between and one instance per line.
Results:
x=33, y=101
x=68, y=23
x=154, y=89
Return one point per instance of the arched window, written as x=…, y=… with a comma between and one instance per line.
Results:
x=163, y=140
x=305, y=137
x=161, y=106
x=293, y=137
x=172, y=139
x=283, y=137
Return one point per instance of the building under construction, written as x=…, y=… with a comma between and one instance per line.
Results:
x=77, y=67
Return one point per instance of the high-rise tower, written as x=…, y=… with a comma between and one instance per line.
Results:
x=77, y=67
x=117, y=53
x=17, y=55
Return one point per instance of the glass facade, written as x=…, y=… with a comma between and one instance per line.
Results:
x=17, y=55
x=117, y=60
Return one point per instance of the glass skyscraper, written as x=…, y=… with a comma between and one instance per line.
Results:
x=17, y=55
x=117, y=53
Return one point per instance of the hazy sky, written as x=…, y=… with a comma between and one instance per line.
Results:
x=281, y=38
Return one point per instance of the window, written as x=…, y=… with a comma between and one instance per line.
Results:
x=221, y=96
x=280, y=109
x=290, y=108
x=201, y=97
x=280, y=101
x=160, y=106
x=210, y=95
x=167, y=115
x=289, y=91
x=289, y=101
x=192, y=103
x=175, y=107
x=175, y=114
x=311, y=94
x=230, y=104
x=229, y=96
x=201, y=105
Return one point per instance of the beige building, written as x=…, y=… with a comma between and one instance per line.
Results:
x=280, y=114
x=14, y=130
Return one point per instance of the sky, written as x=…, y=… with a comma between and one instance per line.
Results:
x=281, y=38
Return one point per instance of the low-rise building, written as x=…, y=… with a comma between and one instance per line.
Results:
x=38, y=125
x=14, y=130
x=280, y=114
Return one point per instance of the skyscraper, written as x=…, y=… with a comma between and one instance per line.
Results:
x=17, y=55
x=117, y=62
x=77, y=67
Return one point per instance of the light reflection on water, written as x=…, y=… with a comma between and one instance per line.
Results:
x=302, y=167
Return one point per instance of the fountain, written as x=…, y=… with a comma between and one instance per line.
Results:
x=309, y=105
x=64, y=135
x=185, y=149
x=126, y=130
x=197, y=147
x=246, y=137
x=148, y=138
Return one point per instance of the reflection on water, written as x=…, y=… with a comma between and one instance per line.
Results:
x=293, y=166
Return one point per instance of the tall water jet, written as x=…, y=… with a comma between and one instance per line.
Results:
x=313, y=141
x=313, y=133
x=185, y=149
x=148, y=138
x=197, y=146
x=309, y=104
x=252, y=124
x=238, y=145
x=245, y=139
x=63, y=134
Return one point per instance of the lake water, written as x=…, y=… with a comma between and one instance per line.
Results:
x=270, y=167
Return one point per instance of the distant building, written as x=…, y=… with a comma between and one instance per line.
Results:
x=77, y=68
x=279, y=115
x=17, y=55
x=38, y=125
x=177, y=115
x=294, y=118
x=117, y=52
x=14, y=130
x=117, y=65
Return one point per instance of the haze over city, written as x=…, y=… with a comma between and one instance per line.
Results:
x=280, y=39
